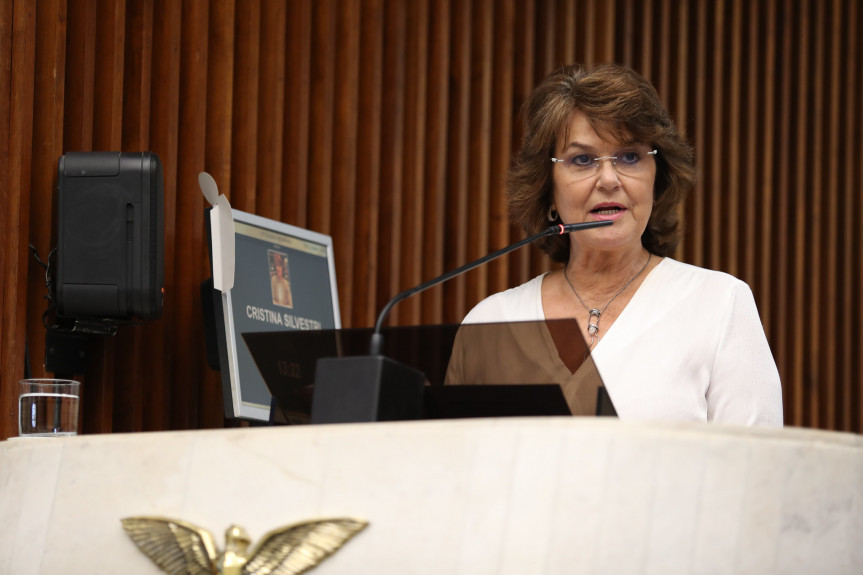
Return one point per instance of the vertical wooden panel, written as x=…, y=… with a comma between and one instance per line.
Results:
x=392, y=153
x=678, y=58
x=186, y=370
x=271, y=113
x=571, y=24
x=523, y=67
x=680, y=95
x=696, y=223
x=764, y=179
x=831, y=150
x=321, y=116
x=856, y=142
x=585, y=50
x=413, y=227
x=137, y=76
x=47, y=147
x=246, y=21
x=108, y=75
x=458, y=160
x=803, y=384
x=80, y=50
x=367, y=218
x=546, y=40
x=752, y=158
x=222, y=77
x=811, y=226
x=18, y=117
x=645, y=28
x=480, y=132
x=607, y=39
x=164, y=136
x=625, y=36
x=663, y=55
x=858, y=244
x=344, y=156
x=546, y=60
x=712, y=156
x=500, y=143
x=298, y=57
x=851, y=396
x=730, y=165
x=8, y=235
x=435, y=184
x=785, y=322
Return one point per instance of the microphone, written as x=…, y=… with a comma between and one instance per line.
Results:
x=560, y=229
x=377, y=388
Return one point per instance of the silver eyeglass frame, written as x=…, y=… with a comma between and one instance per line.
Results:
x=598, y=161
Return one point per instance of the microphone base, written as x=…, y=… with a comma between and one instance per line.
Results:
x=366, y=388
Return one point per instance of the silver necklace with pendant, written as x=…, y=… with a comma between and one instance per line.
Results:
x=595, y=313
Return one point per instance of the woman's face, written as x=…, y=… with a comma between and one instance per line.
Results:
x=620, y=190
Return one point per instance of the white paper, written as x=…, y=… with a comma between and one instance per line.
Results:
x=222, y=230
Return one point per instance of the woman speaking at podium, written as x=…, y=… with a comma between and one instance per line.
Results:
x=670, y=341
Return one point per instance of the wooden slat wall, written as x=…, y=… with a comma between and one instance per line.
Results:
x=390, y=124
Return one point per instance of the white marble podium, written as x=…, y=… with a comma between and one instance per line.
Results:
x=521, y=496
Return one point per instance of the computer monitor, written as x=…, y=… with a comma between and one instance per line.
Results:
x=284, y=280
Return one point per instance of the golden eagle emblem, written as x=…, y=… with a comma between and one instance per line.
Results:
x=180, y=548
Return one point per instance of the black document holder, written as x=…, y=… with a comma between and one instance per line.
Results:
x=423, y=349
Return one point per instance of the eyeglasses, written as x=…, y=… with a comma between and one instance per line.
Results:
x=631, y=162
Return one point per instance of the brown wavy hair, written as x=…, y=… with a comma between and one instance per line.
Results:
x=620, y=103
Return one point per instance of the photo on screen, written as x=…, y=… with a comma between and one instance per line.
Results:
x=280, y=279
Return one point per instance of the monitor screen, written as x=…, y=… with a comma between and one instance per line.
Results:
x=284, y=280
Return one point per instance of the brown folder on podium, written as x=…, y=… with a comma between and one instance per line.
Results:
x=469, y=370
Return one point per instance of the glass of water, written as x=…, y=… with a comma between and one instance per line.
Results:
x=48, y=407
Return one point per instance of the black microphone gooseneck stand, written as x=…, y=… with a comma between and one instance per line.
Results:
x=377, y=339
